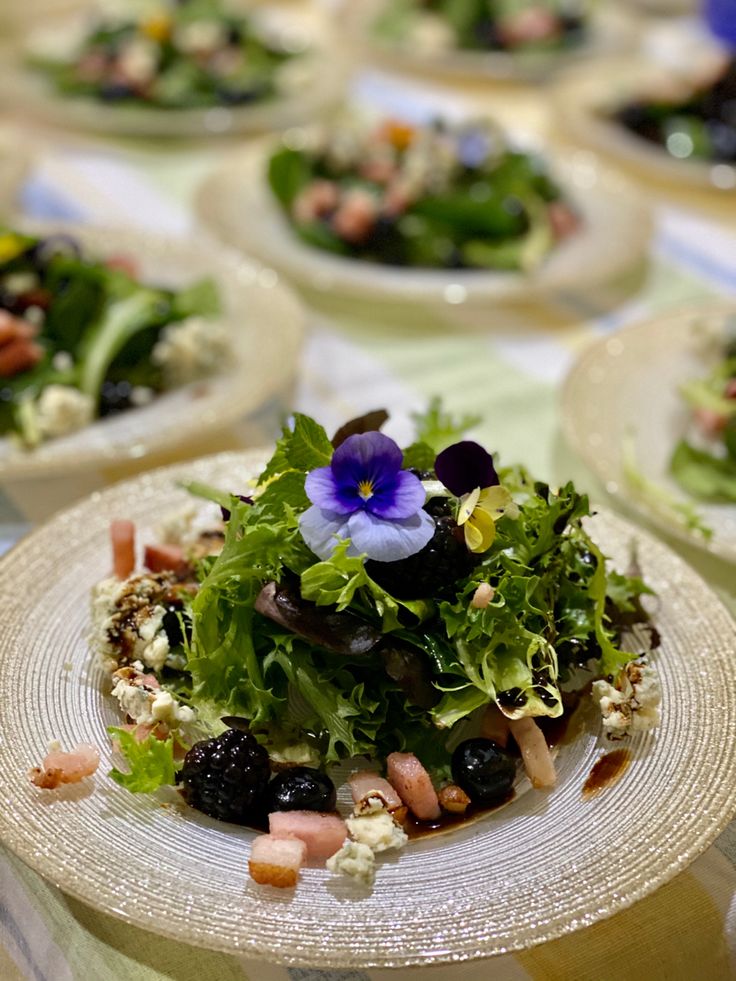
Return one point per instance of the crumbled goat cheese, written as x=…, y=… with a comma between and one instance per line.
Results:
x=165, y=708
x=187, y=525
x=62, y=361
x=632, y=701
x=192, y=348
x=356, y=860
x=141, y=395
x=377, y=830
x=61, y=409
x=200, y=36
x=127, y=620
x=147, y=705
x=139, y=61
x=135, y=701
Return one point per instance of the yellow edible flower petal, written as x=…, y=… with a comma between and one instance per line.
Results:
x=495, y=500
x=468, y=504
x=480, y=530
x=10, y=246
x=157, y=27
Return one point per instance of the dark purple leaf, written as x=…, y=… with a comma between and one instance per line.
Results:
x=367, y=423
x=342, y=633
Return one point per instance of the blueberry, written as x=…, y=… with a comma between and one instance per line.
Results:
x=483, y=770
x=301, y=789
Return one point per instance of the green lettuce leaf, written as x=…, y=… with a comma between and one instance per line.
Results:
x=704, y=475
x=151, y=761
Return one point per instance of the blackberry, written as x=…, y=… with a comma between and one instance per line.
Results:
x=226, y=777
x=437, y=568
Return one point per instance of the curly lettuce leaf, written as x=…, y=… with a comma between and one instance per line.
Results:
x=303, y=447
x=151, y=761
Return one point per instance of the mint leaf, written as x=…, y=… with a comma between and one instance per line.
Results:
x=304, y=447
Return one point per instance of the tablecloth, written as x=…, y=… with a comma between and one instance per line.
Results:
x=503, y=364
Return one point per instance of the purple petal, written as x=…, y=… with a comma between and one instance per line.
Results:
x=321, y=530
x=389, y=541
x=366, y=456
x=464, y=466
x=402, y=499
x=323, y=490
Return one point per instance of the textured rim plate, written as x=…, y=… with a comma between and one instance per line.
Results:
x=610, y=30
x=629, y=383
x=544, y=865
x=317, y=87
x=613, y=240
x=586, y=97
x=267, y=325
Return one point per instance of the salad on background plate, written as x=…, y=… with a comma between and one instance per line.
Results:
x=489, y=885
x=446, y=211
x=669, y=124
x=178, y=68
x=491, y=39
x=417, y=611
x=82, y=339
x=659, y=433
x=117, y=346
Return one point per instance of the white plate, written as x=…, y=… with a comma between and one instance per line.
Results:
x=544, y=865
x=236, y=203
x=628, y=383
x=266, y=323
x=315, y=82
x=609, y=30
x=585, y=100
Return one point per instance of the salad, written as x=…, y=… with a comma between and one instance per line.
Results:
x=438, y=196
x=705, y=463
x=523, y=26
x=172, y=54
x=699, y=127
x=82, y=338
x=420, y=612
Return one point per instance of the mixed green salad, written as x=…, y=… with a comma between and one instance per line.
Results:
x=705, y=464
x=701, y=127
x=172, y=54
x=357, y=599
x=82, y=338
x=436, y=196
x=523, y=26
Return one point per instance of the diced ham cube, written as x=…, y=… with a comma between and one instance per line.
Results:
x=562, y=219
x=122, y=537
x=323, y=834
x=18, y=355
x=276, y=861
x=166, y=558
x=411, y=780
x=538, y=762
x=528, y=26
x=711, y=423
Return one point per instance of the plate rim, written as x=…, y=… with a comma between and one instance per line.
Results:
x=715, y=308
x=695, y=846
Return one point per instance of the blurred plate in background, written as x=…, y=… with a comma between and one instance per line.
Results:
x=236, y=204
x=624, y=391
x=266, y=322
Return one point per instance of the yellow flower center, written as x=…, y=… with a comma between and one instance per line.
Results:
x=365, y=489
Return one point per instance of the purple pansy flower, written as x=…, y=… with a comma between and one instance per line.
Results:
x=464, y=466
x=365, y=496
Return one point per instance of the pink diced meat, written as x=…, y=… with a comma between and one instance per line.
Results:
x=411, y=780
x=323, y=834
x=276, y=861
